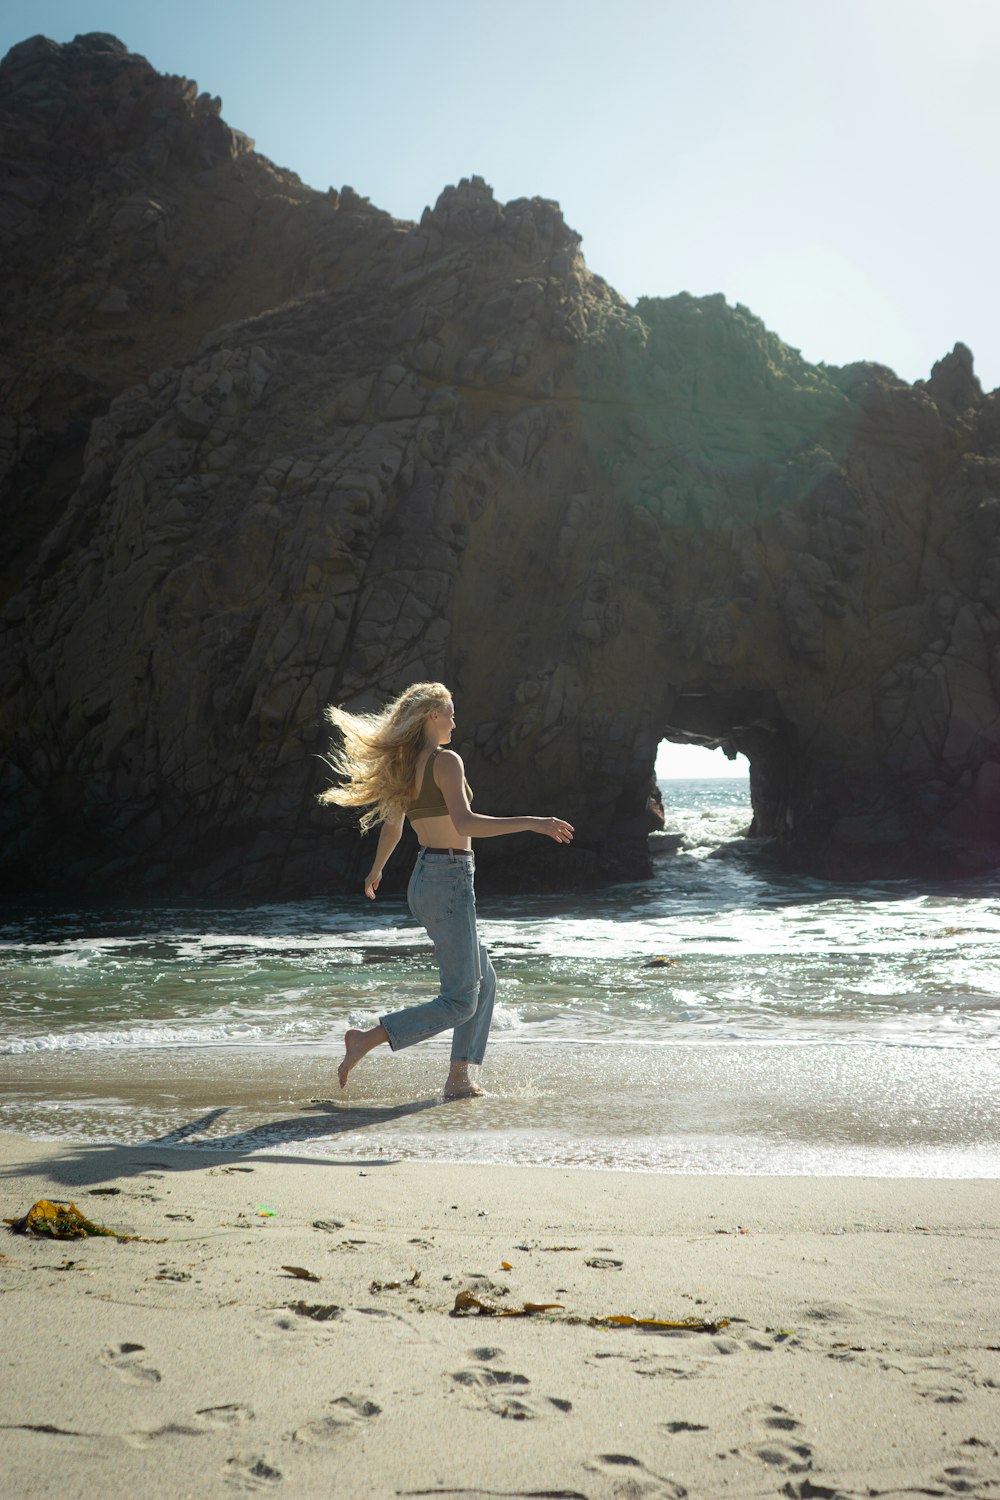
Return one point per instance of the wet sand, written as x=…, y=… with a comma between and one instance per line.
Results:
x=847, y=1338
x=733, y=1111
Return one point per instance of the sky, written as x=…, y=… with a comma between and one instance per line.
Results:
x=834, y=167
x=692, y=761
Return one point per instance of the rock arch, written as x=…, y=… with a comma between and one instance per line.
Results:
x=365, y=452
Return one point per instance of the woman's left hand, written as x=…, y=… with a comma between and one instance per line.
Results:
x=556, y=829
x=372, y=883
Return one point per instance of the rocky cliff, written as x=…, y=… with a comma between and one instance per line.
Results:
x=264, y=447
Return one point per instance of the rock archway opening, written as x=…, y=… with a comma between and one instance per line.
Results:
x=735, y=735
x=704, y=797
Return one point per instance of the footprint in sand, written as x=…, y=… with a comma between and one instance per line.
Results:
x=223, y=1416
x=807, y=1489
x=295, y=1320
x=644, y=1364
x=518, y=1409
x=161, y=1434
x=485, y=1377
x=122, y=1359
x=250, y=1473
x=792, y=1456
x=725, y=1346
x=779, y=1420
x=969, y=1477
x=495, y=1390
x=943, y=1395
x=346, y=1413
x=827, y=1312
x=629, y=1479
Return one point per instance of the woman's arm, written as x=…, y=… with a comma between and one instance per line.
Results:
x=449, y=773
x=392, y=832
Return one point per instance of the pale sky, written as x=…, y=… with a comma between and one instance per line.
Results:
x=832, y=166
x=692, y=761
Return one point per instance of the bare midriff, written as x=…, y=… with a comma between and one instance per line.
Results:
x=440, y=833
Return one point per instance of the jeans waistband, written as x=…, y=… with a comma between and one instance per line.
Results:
x=463, y=853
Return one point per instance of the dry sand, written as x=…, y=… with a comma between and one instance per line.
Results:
x=862, y=1355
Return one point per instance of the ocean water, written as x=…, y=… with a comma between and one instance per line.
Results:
x=723, y=1017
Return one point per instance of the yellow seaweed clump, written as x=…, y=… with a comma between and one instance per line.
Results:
x=56, y=1221
x=53, y=1220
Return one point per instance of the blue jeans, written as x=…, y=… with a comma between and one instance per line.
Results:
x=442, y=898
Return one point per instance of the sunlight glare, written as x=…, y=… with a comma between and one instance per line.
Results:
x=695, y=762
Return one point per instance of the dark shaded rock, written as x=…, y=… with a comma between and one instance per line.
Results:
x=133, y=221
x=263, y=448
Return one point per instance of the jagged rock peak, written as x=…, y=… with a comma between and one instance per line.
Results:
x=953, y=381
x=92, y=96
x=41, y=49
x=469, y=210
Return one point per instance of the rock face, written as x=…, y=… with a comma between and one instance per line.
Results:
x=264, y=447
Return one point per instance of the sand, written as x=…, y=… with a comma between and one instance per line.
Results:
x=861, y=1356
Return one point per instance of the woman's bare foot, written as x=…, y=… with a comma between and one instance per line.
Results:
x=357, y=1044
x=458, y=1084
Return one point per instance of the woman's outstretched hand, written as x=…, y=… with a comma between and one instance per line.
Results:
x=555, y=828
x=372, y=883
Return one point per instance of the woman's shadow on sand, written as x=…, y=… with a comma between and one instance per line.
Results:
x=89, y=1163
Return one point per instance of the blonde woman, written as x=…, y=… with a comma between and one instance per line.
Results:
x=394, y=764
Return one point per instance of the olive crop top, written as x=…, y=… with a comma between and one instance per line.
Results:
x=430, y=801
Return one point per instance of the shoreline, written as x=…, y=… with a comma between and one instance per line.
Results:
x=758, y=1109
x=862, y=1352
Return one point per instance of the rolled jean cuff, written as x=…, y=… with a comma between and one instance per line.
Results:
x=387, y=1028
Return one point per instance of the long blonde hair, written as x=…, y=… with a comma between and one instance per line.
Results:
x=379, y=754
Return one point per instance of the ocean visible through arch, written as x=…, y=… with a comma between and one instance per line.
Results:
x=724, y=1017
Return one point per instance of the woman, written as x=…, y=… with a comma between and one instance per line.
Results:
x=395, y=765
